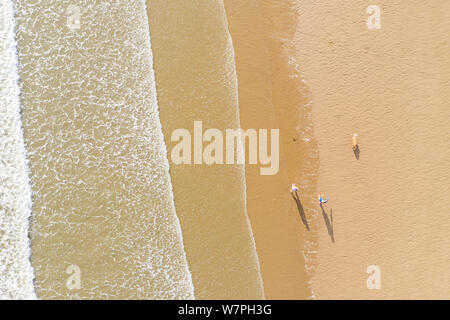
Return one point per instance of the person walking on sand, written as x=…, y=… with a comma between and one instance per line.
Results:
x=355, y=142
x=321, y=199
x=294, y=188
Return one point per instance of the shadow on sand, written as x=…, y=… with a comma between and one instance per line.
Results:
x=328, y=222
x=300, y=209
x=356, y=152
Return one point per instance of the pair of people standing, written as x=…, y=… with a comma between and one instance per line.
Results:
x=294, y=189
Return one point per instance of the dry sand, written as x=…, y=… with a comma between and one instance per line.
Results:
x=391, y=86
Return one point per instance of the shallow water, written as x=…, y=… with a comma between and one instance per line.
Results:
x=196, y=81
x=103, y=203
x=16, y=273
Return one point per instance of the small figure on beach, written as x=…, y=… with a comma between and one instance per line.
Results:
x=355, y=146
x=294, y=188
x=355, y=142
x=321, y=199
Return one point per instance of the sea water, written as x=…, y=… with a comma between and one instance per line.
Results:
x=104, y=223
x=16, y=273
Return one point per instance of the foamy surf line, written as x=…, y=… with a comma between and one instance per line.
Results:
x=104, y=224
x=16, y=273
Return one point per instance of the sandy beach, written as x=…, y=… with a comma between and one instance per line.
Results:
x=116, y=180
x=331, y=77
x=391, y=87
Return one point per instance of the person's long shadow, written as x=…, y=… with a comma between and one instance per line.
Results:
x=328, y=222
x=300, y=210
x=357, y=152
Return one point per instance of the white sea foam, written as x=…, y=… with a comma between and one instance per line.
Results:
x=16, y=273
x=100, y=175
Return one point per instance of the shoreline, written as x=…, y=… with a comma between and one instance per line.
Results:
x=273, y=214
x=217, y=234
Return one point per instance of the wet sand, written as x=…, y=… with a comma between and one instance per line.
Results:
x=293, y=109
x=391, y=86
x=196, y=81
x=273, y=213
